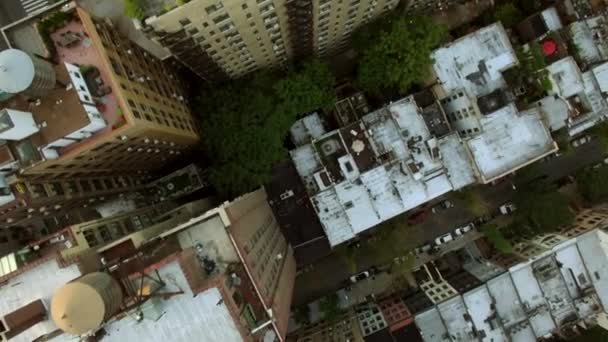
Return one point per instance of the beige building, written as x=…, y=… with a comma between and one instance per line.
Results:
x=334, y=22
x=114, y=116
x=228, y=39
x=429, y=6
x=121, y=109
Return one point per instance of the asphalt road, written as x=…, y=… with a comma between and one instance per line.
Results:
x=330, y=274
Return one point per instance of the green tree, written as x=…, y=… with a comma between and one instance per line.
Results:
x=593, y=184
x=600, y=131
x=542, y=209
x=563, y=141
x=397, y=53
x=473, y=201
x=245, y=122
x=508, y=14
x=330, y=307
x=133, y=9
x=494, y=235
x=595, y=334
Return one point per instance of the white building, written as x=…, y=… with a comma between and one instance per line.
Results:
x=550, y=293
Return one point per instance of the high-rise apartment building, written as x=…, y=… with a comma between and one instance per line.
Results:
x=89, y=121
x=224, y=275
x=227, y=39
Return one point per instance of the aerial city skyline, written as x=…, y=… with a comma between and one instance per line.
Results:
x=303, y=170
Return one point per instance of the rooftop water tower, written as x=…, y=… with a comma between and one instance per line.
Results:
x=84, y=304
x=21, y=72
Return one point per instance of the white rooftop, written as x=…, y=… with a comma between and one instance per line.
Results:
x=509, y=141
x=593, y=101
x=480, y=307
x=593, y=248
x=566, y=77
x=182, y=318
x=453, y=312
x=508, y=304
x=475, y=62
x=431, y=326
x=40, y=282
x=589, y=49
x=555, y=111
x=460, y=168
x=532, y=299
x=308, y=128
x=601, y=75
x=412, y=174
x=551, y=19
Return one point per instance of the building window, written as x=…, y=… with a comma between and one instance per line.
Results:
x=89, y=236
x=104, y=232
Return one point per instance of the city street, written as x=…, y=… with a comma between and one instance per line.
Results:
x=330, y=274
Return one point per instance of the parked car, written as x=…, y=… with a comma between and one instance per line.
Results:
x=441, y=206
x=423, y=249
x=551, y=156
x=360, y=276
x=464, y=229
x=581, y=141
x=481, y=220
x=444, y=239
x=507, y=208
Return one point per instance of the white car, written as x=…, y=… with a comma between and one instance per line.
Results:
x=443, y=239
x=359, y=276
x=464, y=229
x=507, y=208
x=581, y=141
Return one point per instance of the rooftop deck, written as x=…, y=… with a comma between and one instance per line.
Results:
x=83, y=53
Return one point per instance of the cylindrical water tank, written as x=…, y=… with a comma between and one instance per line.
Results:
x=85, y=303
x=21, y=72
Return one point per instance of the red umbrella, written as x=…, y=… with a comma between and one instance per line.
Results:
x=549, y=47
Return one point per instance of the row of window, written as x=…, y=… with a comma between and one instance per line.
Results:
x=51, y=189
x=114, y=230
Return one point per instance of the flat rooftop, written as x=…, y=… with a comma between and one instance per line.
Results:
x=566, y=77
x=84, y=53
x=182, y=318
x=532, y=299
x=431, y=326
x=60, y=110
x=475, y=62
x=454, y=313
x=39, y=282
x=306, y=129
x=482, y=314
x=375, y=169
x=508, y=141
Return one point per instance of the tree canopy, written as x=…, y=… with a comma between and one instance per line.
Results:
x=330, y=307
x=396, y=52
x=133, y=9
x=495, y=236
x=245, y=122
x=508, y=14
x=593, y=184
x=541, y=209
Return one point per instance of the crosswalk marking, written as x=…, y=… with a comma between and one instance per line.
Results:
x=31, y=6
